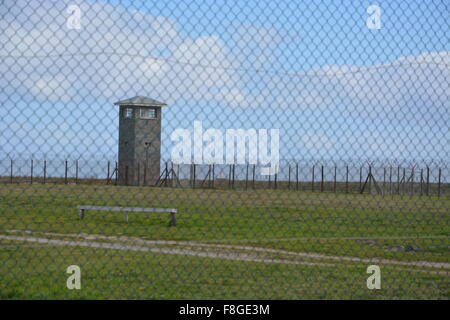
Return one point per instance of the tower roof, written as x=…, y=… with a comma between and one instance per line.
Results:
x=140, y=101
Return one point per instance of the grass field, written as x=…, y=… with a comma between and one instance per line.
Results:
x=259, y=244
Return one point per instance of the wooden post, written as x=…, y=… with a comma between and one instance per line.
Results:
x=65, y=172
x=31, y=173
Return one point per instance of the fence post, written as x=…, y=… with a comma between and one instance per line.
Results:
x=296, y=176
x=11, y=173
x=384, y=181
x=166, y=177
x=65, y=172
x=246, y=177
x=360, y=178
x=275, y=179
x=412, y=181
x=108, y=174
x=398, y=180
x=289, y=179
x=232, y=183
x=213, y=174
x=31, y=173
x=390, y=179
x=45, y=171
x=209, y=175
x=428, y=181
x=312, y=185
x=117, y=174
x=346, y=179
x=253, y=179
x=322, y=177
x=439, y=183
x=421, y=181
x=404, y=181
x=76, y=172
x=193, y=176
x=335, y=177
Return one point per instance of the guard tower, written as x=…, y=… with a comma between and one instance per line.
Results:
x=139, y=141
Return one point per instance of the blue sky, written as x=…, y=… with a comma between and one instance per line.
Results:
x=334, y=88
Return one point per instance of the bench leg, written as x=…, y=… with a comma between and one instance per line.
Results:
x=173, y=219
x=125, y=214
x=81, y=214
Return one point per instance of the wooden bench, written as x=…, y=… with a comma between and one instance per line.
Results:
x=126, y=210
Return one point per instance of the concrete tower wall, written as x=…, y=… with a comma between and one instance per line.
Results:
x=139, y=147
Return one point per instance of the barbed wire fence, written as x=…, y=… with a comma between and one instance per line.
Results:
x=425, y=179
x=301, y=149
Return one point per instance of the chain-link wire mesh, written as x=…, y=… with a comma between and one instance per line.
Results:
x=224, y=149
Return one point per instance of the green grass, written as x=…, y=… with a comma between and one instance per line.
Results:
x=324, y=223
x=119, y=275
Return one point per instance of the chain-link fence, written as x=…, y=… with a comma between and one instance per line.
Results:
x=224, y=150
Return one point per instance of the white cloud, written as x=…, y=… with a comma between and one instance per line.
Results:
x=204, y=68
x=56, y=88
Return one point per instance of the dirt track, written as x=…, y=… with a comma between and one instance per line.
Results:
x=218, y=251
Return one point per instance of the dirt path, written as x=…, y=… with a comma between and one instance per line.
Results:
x=249, y=253
x=121, y=246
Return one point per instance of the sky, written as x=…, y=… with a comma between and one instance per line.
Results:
x=335, y=89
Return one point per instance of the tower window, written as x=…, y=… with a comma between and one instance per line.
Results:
x=128, y=113
x=148, y=113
